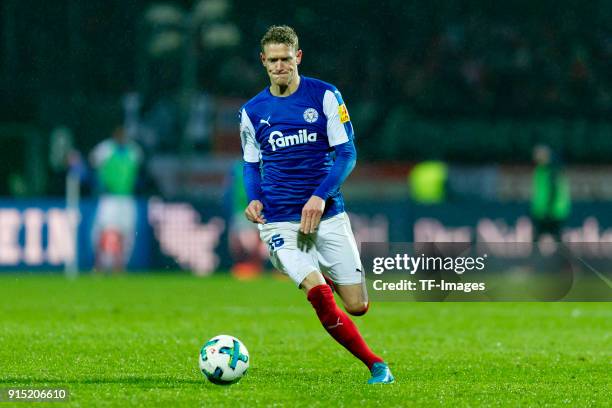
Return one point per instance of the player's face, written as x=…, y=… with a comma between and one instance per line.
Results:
x=281, y=61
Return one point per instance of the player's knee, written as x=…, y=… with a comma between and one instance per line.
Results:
x=358, y=308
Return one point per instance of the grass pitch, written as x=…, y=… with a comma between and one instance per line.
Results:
x=134, y=341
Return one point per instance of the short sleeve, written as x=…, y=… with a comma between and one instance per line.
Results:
x=339, y=127
x=250, y=147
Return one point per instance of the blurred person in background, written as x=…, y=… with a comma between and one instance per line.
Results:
x=64, y=159
x=428, y=182
x=550, y=198
x=117, y=162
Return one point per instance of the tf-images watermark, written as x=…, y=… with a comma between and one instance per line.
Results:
x=486, y=272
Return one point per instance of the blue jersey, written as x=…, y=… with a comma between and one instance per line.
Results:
x=293, y=139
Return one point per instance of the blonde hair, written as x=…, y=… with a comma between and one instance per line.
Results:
x=280, y=35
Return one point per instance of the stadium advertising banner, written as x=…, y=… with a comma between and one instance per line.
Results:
x=39, y=235
x=44, y=235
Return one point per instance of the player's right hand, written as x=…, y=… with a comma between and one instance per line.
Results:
x=253, y=212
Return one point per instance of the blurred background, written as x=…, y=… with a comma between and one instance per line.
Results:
x=474, y=121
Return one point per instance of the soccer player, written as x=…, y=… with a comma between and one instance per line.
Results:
x=297, y=142
x=117, y=162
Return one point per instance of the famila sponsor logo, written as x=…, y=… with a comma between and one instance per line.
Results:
x=278, y=140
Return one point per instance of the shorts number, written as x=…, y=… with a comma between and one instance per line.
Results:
x=275, y=242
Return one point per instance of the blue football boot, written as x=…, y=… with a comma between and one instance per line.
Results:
x=381, y=374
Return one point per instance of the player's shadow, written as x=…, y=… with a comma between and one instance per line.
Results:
x=147, y=381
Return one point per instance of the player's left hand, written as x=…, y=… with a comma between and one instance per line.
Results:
x=311, y=214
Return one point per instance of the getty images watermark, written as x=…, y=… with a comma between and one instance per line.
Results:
x=417, y=265
x=488, y=271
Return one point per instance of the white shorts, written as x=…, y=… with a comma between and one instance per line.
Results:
x=331, y=250
x=118, y=213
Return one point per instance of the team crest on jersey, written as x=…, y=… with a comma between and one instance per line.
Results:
x=311, y=115
x=343, y=113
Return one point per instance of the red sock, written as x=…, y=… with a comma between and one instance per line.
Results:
x=339, y=325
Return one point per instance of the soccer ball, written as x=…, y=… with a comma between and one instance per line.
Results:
x=224, y=359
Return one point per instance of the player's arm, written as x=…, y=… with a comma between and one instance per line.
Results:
x=252, y=183
x=340, y=136
x=346, y=157
x=251, y=171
